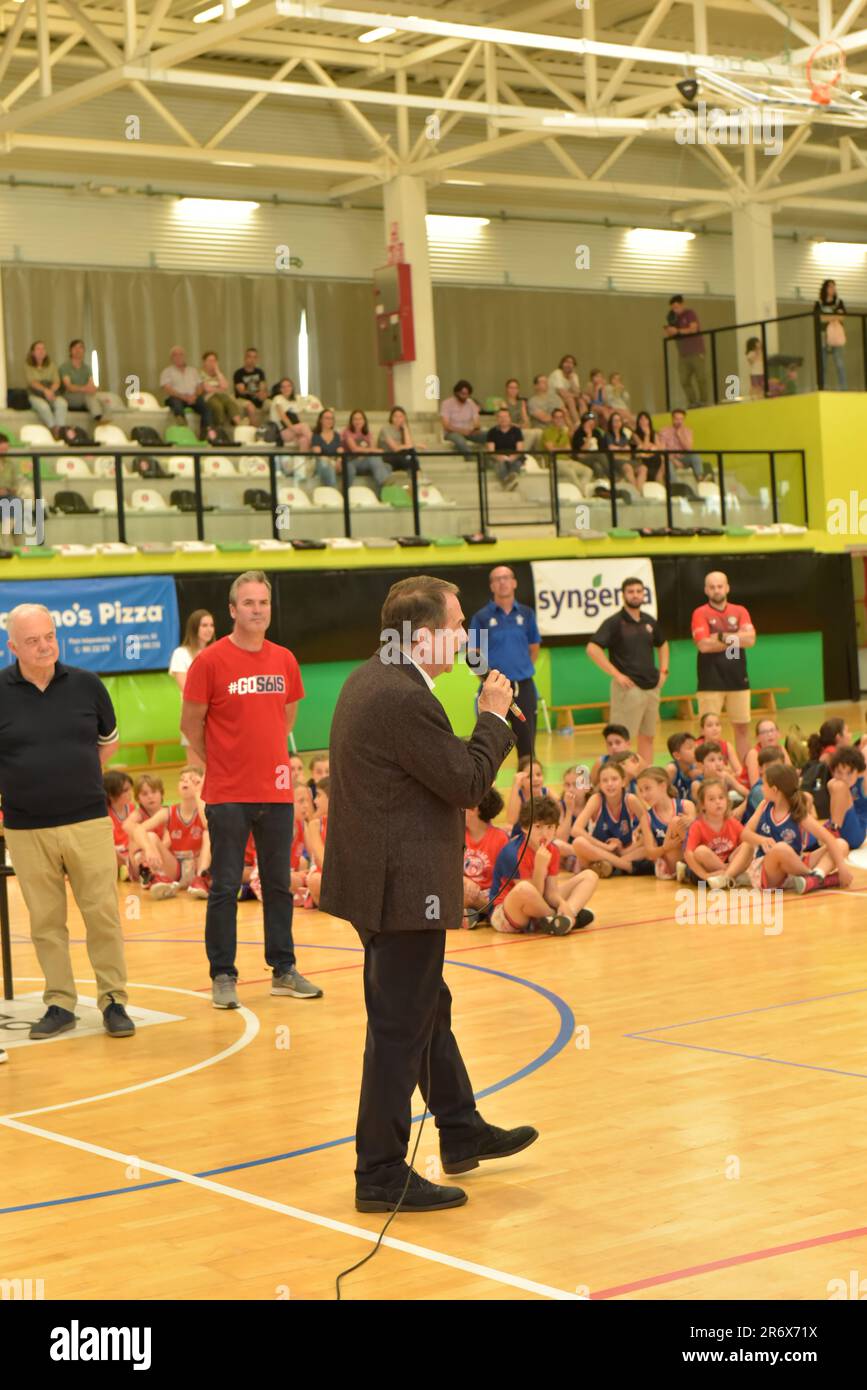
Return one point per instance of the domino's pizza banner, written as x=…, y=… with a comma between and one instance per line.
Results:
x=576, y=596
x=103, y=624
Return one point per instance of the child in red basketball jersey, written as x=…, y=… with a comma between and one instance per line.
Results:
x=482, y=843
x=299, y=859
x=714, y=850
x=767, y=736
x=314, y=837
x=174, y=841
x=126, y=812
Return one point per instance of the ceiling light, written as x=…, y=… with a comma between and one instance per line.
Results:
x=373, y=34
x=657, y=239
x=214, y=211
x=443, y=228
x=215, y=12
x=839, y=252
x=465, y=183
x=234, y=164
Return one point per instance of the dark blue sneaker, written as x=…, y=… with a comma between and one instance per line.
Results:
x=118, y=1023
x=55, y=1020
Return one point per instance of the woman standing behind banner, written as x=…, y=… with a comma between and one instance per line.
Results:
x=198, y=634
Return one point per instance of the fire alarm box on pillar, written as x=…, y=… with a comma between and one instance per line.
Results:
x=395, y=335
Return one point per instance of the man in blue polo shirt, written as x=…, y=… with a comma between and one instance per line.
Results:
x=513, y=642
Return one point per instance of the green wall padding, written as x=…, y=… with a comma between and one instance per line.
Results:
x=791, y=658
x=148, y=705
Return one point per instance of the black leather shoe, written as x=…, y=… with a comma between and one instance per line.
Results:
x=421, y=1195
x=118, y=1023
x=55, y=1020
x=491, y=1143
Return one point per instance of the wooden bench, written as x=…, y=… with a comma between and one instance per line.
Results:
x=150, y=745
x=687, y=707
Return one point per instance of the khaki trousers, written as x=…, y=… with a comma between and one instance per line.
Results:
x=85, y=852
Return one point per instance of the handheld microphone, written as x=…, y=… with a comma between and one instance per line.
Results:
x=481, y=669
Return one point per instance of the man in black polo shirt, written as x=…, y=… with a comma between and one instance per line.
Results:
x=57, y=728
x=506, y=443
x=636, y=686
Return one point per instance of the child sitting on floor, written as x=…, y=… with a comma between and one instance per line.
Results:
x=669, y=818
x=526, y=892
x=710, y=759
x=617, y=740
x=783, y=830
x=714, y=850
x=846, y=792
x=174, y=843
x=615, y=816
x=683, y=769
x=482, y=843
x=711, y=732
x=314, y=839
x=520, y=790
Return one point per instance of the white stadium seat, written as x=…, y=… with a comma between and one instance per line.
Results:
x=293, y=497
x=106, y=435
x=37, y=434
x=363, y=497
x=653, y=492
x=327, y=497
x=105, y=498
x=218, y=466
x=73, y=467
x=180, y=465
x=245, y=434
x=144, y=401
x=146, y=500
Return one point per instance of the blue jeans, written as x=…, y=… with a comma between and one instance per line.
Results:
x=693, y=461
x=366, y=463
x=229, y=825
x=839, y=363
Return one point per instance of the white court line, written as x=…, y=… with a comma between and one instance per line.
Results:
x=341, y=1227
x=251, y=1028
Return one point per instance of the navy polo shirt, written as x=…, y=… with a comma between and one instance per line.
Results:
x=50, y=773
x=509, y=638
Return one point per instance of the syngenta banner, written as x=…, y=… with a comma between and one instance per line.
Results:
x=575, y=596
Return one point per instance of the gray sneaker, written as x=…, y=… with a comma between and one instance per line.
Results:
x=295, y=985
x=224, y=992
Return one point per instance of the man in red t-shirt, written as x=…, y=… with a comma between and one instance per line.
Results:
x=722, y=631
x=240, y=700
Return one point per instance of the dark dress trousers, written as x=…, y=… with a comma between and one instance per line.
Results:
x=400, y=781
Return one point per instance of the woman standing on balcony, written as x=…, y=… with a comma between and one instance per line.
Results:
x=831, y=309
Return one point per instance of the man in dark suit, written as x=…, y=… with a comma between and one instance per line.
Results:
x=400, y=780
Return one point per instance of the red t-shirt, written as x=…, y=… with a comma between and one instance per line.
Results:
x=722, y=842
x=249, y=851
x=725, y=669
x=480, y=855
x=245, y=724
x=118, y=825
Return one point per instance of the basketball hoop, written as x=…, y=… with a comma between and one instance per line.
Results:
x=825, y=67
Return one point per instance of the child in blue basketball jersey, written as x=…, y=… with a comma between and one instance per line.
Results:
x=620, y=836
x=669, y=818
x=767, y=756
x=848, y=817
x=632, y=765
x=711, y=760
x=683, y=769
x=781, y=829
x=520, y=791
x=616, y=738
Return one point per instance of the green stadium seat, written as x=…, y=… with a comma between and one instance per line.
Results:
x=449, y=540
x=395, y=496
x=180, y=434
x=37, y=552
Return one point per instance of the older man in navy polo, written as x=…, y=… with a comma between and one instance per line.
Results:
x=513, y=641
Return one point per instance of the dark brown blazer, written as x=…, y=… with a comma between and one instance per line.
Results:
x=400, y=781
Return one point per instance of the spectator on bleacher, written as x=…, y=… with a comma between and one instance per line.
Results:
x=618, y=443
x=543, y=402
x=183, y=389
x=598, y=403
x=78, y=385
x=43, y=389
x=564, y=380
x=556, y=439
x=505, y=443
x=285, y=416
x=590, y=439
x=516, y=404
x=645, y=444
x=198, y=634
x=683, y=324
x=617, y=398
x=251, y=385
x=223, y=409
x=460, y=418
x=678, y=440
x=830, y=308
x=396, y=441
x=756, y=363
x=358, y=452
x=326, y=443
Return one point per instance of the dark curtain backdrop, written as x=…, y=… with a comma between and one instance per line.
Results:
x=485, y=333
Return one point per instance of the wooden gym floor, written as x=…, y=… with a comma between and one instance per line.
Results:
x=700, y=1092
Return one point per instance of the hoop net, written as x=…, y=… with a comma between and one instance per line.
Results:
x=825, y=67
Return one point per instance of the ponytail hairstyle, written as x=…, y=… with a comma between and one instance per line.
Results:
x=828, y=734
x=704, y=788
x=785, y=779
x=657, y=774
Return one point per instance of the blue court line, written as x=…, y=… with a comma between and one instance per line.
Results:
x=564, y=1033
x=642, y=1035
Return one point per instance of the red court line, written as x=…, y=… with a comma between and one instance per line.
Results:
x=729, y=1262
